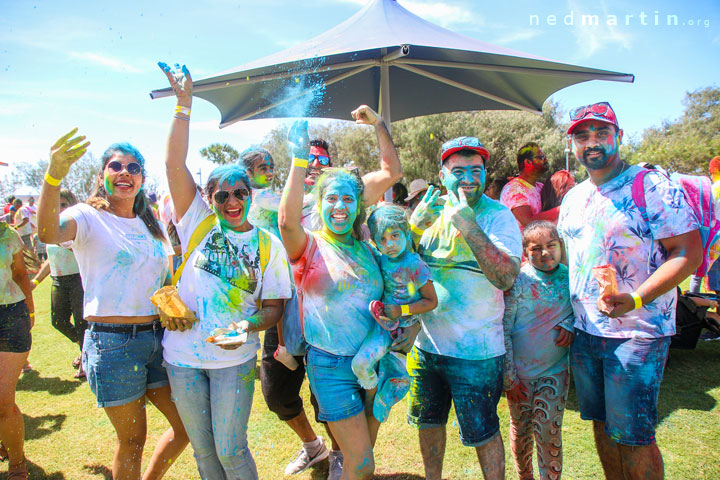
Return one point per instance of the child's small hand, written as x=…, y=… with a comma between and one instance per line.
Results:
x=392, y=311
x=518, y=393
x=564, y=338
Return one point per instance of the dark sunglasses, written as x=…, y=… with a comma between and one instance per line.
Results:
x=221, y=196
x=133, y=168
x=599, y=109
x=323, y=159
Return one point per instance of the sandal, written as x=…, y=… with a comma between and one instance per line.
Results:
x=3, y=452
x=80, y=374
x=18, y=471
x=78, y=360
x=27, y=368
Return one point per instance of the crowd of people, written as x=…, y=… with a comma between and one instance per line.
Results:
x=453, y=294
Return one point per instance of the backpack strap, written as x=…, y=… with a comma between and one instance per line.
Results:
x=264, y=254
x=638, y=193
x=195, y=239
x=300, y=286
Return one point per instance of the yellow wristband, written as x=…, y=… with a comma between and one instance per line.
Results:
x=35, y=282
x=32, y=314
x=405, y=310
x=52, y=180
x=299, y=162
x=183, y=110
x=415, y=229
x=637, y=299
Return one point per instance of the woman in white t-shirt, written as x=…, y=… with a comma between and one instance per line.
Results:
x=123, y=257
x=235, y=268
x=17, y=314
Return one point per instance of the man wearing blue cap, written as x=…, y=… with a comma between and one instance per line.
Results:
x=472, y=246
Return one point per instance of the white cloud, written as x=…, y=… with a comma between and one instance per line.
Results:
x=592, y=39
x=104, y=60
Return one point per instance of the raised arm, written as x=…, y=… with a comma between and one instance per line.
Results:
x=66, y=151
x=290, y=211
x=377, y=182
x=180, y=180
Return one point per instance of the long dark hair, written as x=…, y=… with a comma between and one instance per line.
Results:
x=555, y=188
x=141, y=206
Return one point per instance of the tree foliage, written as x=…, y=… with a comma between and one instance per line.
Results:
x=220, y=153
x=688, y=144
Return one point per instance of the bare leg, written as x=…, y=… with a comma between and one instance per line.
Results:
x=642, y=462
x=492, y=458
x=335, y=444
x=432, y=447
x=301, y=426
x=12, y=427
x=521, y=436
x=172, y=442
x=373, y=424
x=608, y=452
x=130, y=425
x=354, y=438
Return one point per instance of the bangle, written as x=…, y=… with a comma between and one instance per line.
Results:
x=35, y=282
x=637, y=299
x=52, y=180
x=183, y=110
x=299, y=162
x=187, y=119
x=405, y=310
x=416, y=230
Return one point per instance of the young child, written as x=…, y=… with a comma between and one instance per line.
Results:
x=538, y=325
x=408, y=291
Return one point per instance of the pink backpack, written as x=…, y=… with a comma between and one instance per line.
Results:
x=698, y=194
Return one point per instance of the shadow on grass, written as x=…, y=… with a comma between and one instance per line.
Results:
x=97, y=469
x=398, y=476
x=37, y=473
x=686, y=381
x=33, y=382
x=38, y=427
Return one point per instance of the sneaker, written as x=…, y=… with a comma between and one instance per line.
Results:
x=284, y=357
x=336, y=464
x=304, y=460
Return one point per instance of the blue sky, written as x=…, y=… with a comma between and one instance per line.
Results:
x=92, y=64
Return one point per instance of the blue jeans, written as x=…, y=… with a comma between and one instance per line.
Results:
x=214, y=405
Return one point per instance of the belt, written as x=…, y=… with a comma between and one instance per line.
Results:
x=125, y=328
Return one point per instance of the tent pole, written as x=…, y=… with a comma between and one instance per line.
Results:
x=384, y=102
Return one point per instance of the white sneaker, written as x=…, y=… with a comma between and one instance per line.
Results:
x=336, y=465
x=304, y=460
x=284, y=357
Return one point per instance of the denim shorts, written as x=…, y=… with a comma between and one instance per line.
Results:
x=121, y=367
x=15, y=334
x=618, y=382
x=474, y=386
x=338, y=393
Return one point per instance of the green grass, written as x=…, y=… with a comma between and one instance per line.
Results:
x=69, y=438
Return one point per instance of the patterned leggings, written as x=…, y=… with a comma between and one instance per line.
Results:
x=541, y=414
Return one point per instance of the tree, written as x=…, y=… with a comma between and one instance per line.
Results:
x=220, y=153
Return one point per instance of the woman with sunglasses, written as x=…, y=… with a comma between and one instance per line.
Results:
x=66, y=294
x=235, y=274
x=123, y=258
x=17, y=316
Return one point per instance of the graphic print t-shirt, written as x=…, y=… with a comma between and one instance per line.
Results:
x=222, y=282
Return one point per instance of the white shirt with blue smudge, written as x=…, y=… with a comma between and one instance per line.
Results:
x=467, y=322
x=205, y=287
x=62, y=261
x=602, y=225
x=121, y=263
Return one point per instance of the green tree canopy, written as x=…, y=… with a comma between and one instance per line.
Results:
x=220, y=153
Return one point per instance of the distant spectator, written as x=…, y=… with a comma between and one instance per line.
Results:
x=399, y=192
x=555, y=189
x=418, y=187
x=495, y=188
x=522, y=193
x=22, y=223
x=9, y=204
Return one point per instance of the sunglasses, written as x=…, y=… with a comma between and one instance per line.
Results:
x=221, y=196
x=133, y=168
x=323, y=159
x=598, y=109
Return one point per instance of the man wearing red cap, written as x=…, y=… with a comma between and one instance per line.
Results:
x=472, y=246
x=622, y=336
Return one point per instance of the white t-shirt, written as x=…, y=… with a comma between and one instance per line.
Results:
x=22, y=214
x=467, y=322
x=62, y=261
x=121, y=263
x=221, y=283
x=10, y=245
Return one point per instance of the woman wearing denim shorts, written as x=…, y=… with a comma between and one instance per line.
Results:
x=342, y=279
x=234, y=269
x=122, y=255
x=16, y=320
